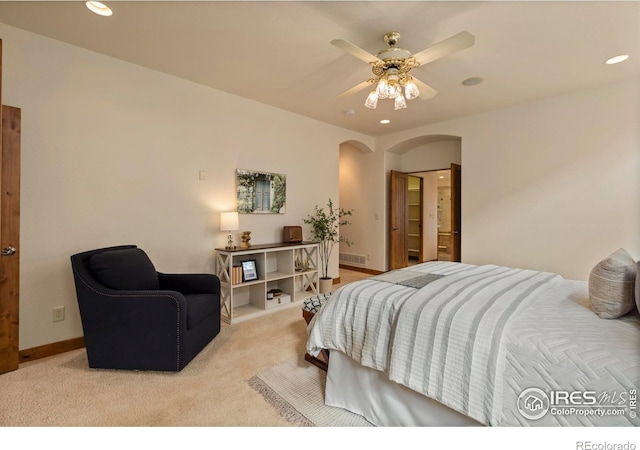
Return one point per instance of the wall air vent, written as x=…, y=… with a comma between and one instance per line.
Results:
x=349, y=259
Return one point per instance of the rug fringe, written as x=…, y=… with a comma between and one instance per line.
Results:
x=284, y=408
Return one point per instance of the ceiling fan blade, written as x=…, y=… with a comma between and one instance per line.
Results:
x=450, y=45
x=355, y=50
x=426, y=91
x=356, y=88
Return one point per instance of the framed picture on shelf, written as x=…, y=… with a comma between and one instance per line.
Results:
x=249, y=270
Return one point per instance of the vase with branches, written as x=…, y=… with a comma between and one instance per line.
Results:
x=325, y=225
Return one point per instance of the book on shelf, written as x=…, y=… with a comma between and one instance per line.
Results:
x=236, y=275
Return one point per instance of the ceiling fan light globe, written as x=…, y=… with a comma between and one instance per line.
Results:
x=393, y=90
x=372, y=100
x=411, y=90
x=399, y=102
x=382, y=88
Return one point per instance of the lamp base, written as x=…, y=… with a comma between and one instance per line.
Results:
x=230, y=245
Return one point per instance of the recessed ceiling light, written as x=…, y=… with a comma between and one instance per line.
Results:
x=617, y=59
x=472, y=81
x=385, y=121
x=99, y=8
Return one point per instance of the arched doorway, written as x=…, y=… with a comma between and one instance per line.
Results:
x=416, y=209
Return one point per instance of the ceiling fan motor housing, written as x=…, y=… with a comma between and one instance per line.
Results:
x=393, y=57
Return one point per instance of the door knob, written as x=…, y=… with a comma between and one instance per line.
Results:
x=8, y=251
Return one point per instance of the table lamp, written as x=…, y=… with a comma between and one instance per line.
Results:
x=228, y=223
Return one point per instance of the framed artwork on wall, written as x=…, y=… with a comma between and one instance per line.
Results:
x=261, y=192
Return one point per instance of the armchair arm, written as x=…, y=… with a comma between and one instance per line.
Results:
x=192, y=283
x=112, y=311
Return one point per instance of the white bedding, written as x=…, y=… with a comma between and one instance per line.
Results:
x=381, y=402
x=479, y=336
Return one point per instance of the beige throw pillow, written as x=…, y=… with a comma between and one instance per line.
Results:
x=611, y=285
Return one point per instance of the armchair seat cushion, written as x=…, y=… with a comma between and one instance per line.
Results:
x=125, y=269
x=199, y=307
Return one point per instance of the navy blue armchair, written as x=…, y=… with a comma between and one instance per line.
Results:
x=136, y=318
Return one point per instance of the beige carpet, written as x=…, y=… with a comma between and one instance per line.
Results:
x=212, y=391
x=295, y=389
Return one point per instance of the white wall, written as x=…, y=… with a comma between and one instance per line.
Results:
x=360, y=173
x=433, y=156
x=111, y=154
x=551, y=184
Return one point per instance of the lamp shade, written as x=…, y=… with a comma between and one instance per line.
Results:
x=229, y=221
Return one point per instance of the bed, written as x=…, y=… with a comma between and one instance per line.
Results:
x=445, y=343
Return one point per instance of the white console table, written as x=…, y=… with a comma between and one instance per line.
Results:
x=291, y=268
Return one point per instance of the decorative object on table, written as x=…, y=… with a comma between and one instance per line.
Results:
x=292, y=234
x=301, y=266
x=325, y=230
x=245, y=237
x=229, y=222
x=261, y=192
x=277, y=297
x=249, y=270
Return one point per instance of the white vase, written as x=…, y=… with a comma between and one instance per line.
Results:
x=326, y=285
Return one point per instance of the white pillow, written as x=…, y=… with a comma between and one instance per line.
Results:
x=611, y=285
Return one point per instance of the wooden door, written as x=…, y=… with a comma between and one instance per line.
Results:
x=9, y=232
x=456, y=212
x=9, y=238
x=398, y=220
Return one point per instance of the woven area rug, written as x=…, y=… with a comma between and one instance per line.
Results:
x=296, y=389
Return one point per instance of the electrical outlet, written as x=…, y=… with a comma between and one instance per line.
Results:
x=58, y=313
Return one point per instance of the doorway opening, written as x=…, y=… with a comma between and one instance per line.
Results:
x=425, y=215
x=429, y=203
x=415, y=218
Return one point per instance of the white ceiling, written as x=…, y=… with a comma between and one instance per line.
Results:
x=279, y=53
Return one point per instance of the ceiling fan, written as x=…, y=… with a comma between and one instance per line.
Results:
x=392, y=65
